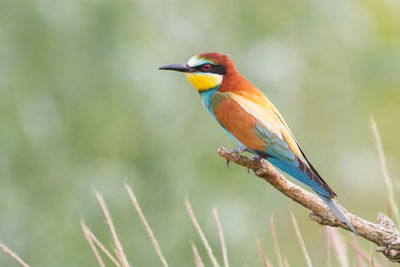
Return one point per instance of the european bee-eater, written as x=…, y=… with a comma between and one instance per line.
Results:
x=252, y=120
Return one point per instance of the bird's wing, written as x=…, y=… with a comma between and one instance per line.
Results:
x=260, y=127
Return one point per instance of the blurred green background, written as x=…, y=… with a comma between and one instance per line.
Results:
x=83, y=105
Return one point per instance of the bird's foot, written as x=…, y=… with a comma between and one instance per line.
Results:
x=239, y=150
x=256, y=157
x=236, y=150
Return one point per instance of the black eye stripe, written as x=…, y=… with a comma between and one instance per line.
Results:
x=217, y=69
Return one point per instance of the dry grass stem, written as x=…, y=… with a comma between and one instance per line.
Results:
x=397, y=183
x=328, y=248
x=221, y=238
x=92, y=245
x=362, y=255
x=383, y=260
x=385, y=171
x=92, y=238
x=13, y=254
x=197, y=259
x=200, y=232
x=120, y=251
x=339, y=247
x=146, y=226
x=275, y=236
x=301, y=241
x=372, y=259
x=263, y=257
x=285, y=262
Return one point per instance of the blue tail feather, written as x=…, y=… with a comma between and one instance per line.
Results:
x=338, y=213
x=294, y=170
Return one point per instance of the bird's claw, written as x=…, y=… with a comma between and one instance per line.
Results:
x=236, y=150
x=239, y=150
x=256, y=157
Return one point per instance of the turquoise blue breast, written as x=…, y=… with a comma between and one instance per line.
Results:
x=206, y=97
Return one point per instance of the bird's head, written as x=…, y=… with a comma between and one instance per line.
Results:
x=205, y=71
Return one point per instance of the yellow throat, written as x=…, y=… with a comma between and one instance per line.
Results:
x=204, y=81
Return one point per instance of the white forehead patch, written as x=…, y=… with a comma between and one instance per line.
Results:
x=196, y=61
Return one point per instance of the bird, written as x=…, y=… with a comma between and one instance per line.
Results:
x=252, y=121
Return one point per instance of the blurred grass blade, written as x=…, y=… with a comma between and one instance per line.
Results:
x=301, y=241
x=120, y=251
x=92, y=245
x=275, y=236
x=285, y=262
x=200, y=232
x=361, y=256
x=92, y=238
x=263, y=257
x=221, y=238
x=197, y=259
x=386, y=177
x=146, y=226
x=372, y=258
x=383, y=260
x=13, y=254
x=339, y=247
x=328, y=248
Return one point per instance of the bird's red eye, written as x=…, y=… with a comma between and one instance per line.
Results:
x=206, y=67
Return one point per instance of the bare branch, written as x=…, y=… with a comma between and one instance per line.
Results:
x=384, y=234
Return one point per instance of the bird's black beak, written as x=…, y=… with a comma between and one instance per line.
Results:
x=178, y=67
